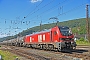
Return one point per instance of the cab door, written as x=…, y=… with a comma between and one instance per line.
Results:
x=54, y=36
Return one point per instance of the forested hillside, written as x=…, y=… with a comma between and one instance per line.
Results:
x=78, y=27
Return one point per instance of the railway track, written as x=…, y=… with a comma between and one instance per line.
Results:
x=78, y=53
x=25, y=54
x=50, y=55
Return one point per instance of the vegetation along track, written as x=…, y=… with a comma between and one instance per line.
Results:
x=78, y=53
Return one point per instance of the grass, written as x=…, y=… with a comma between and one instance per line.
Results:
x=82, y=42
x=7, y=55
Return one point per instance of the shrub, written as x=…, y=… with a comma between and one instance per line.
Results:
x=81, y=39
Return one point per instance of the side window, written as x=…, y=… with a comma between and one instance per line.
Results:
x=44, y=37
x=39, y=38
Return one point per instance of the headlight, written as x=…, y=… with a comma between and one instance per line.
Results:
x=71, y=42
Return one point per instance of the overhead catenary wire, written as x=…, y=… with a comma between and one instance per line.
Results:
x=38, y=8
x=49, y=8
x=30, y=13
x=73, y=9
x=66, y=11
x=52, y=8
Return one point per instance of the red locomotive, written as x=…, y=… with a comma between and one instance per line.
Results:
x=59, y=37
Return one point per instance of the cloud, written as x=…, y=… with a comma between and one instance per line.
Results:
x=34, y=1
x=1, y=36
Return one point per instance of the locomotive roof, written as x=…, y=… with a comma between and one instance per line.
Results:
x=45, y=30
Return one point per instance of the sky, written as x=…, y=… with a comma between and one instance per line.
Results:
x=19, y=15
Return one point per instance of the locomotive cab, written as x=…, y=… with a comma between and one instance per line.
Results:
x=67, y=37
x=63, y=38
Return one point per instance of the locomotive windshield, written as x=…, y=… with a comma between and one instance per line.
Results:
x=65, y=31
